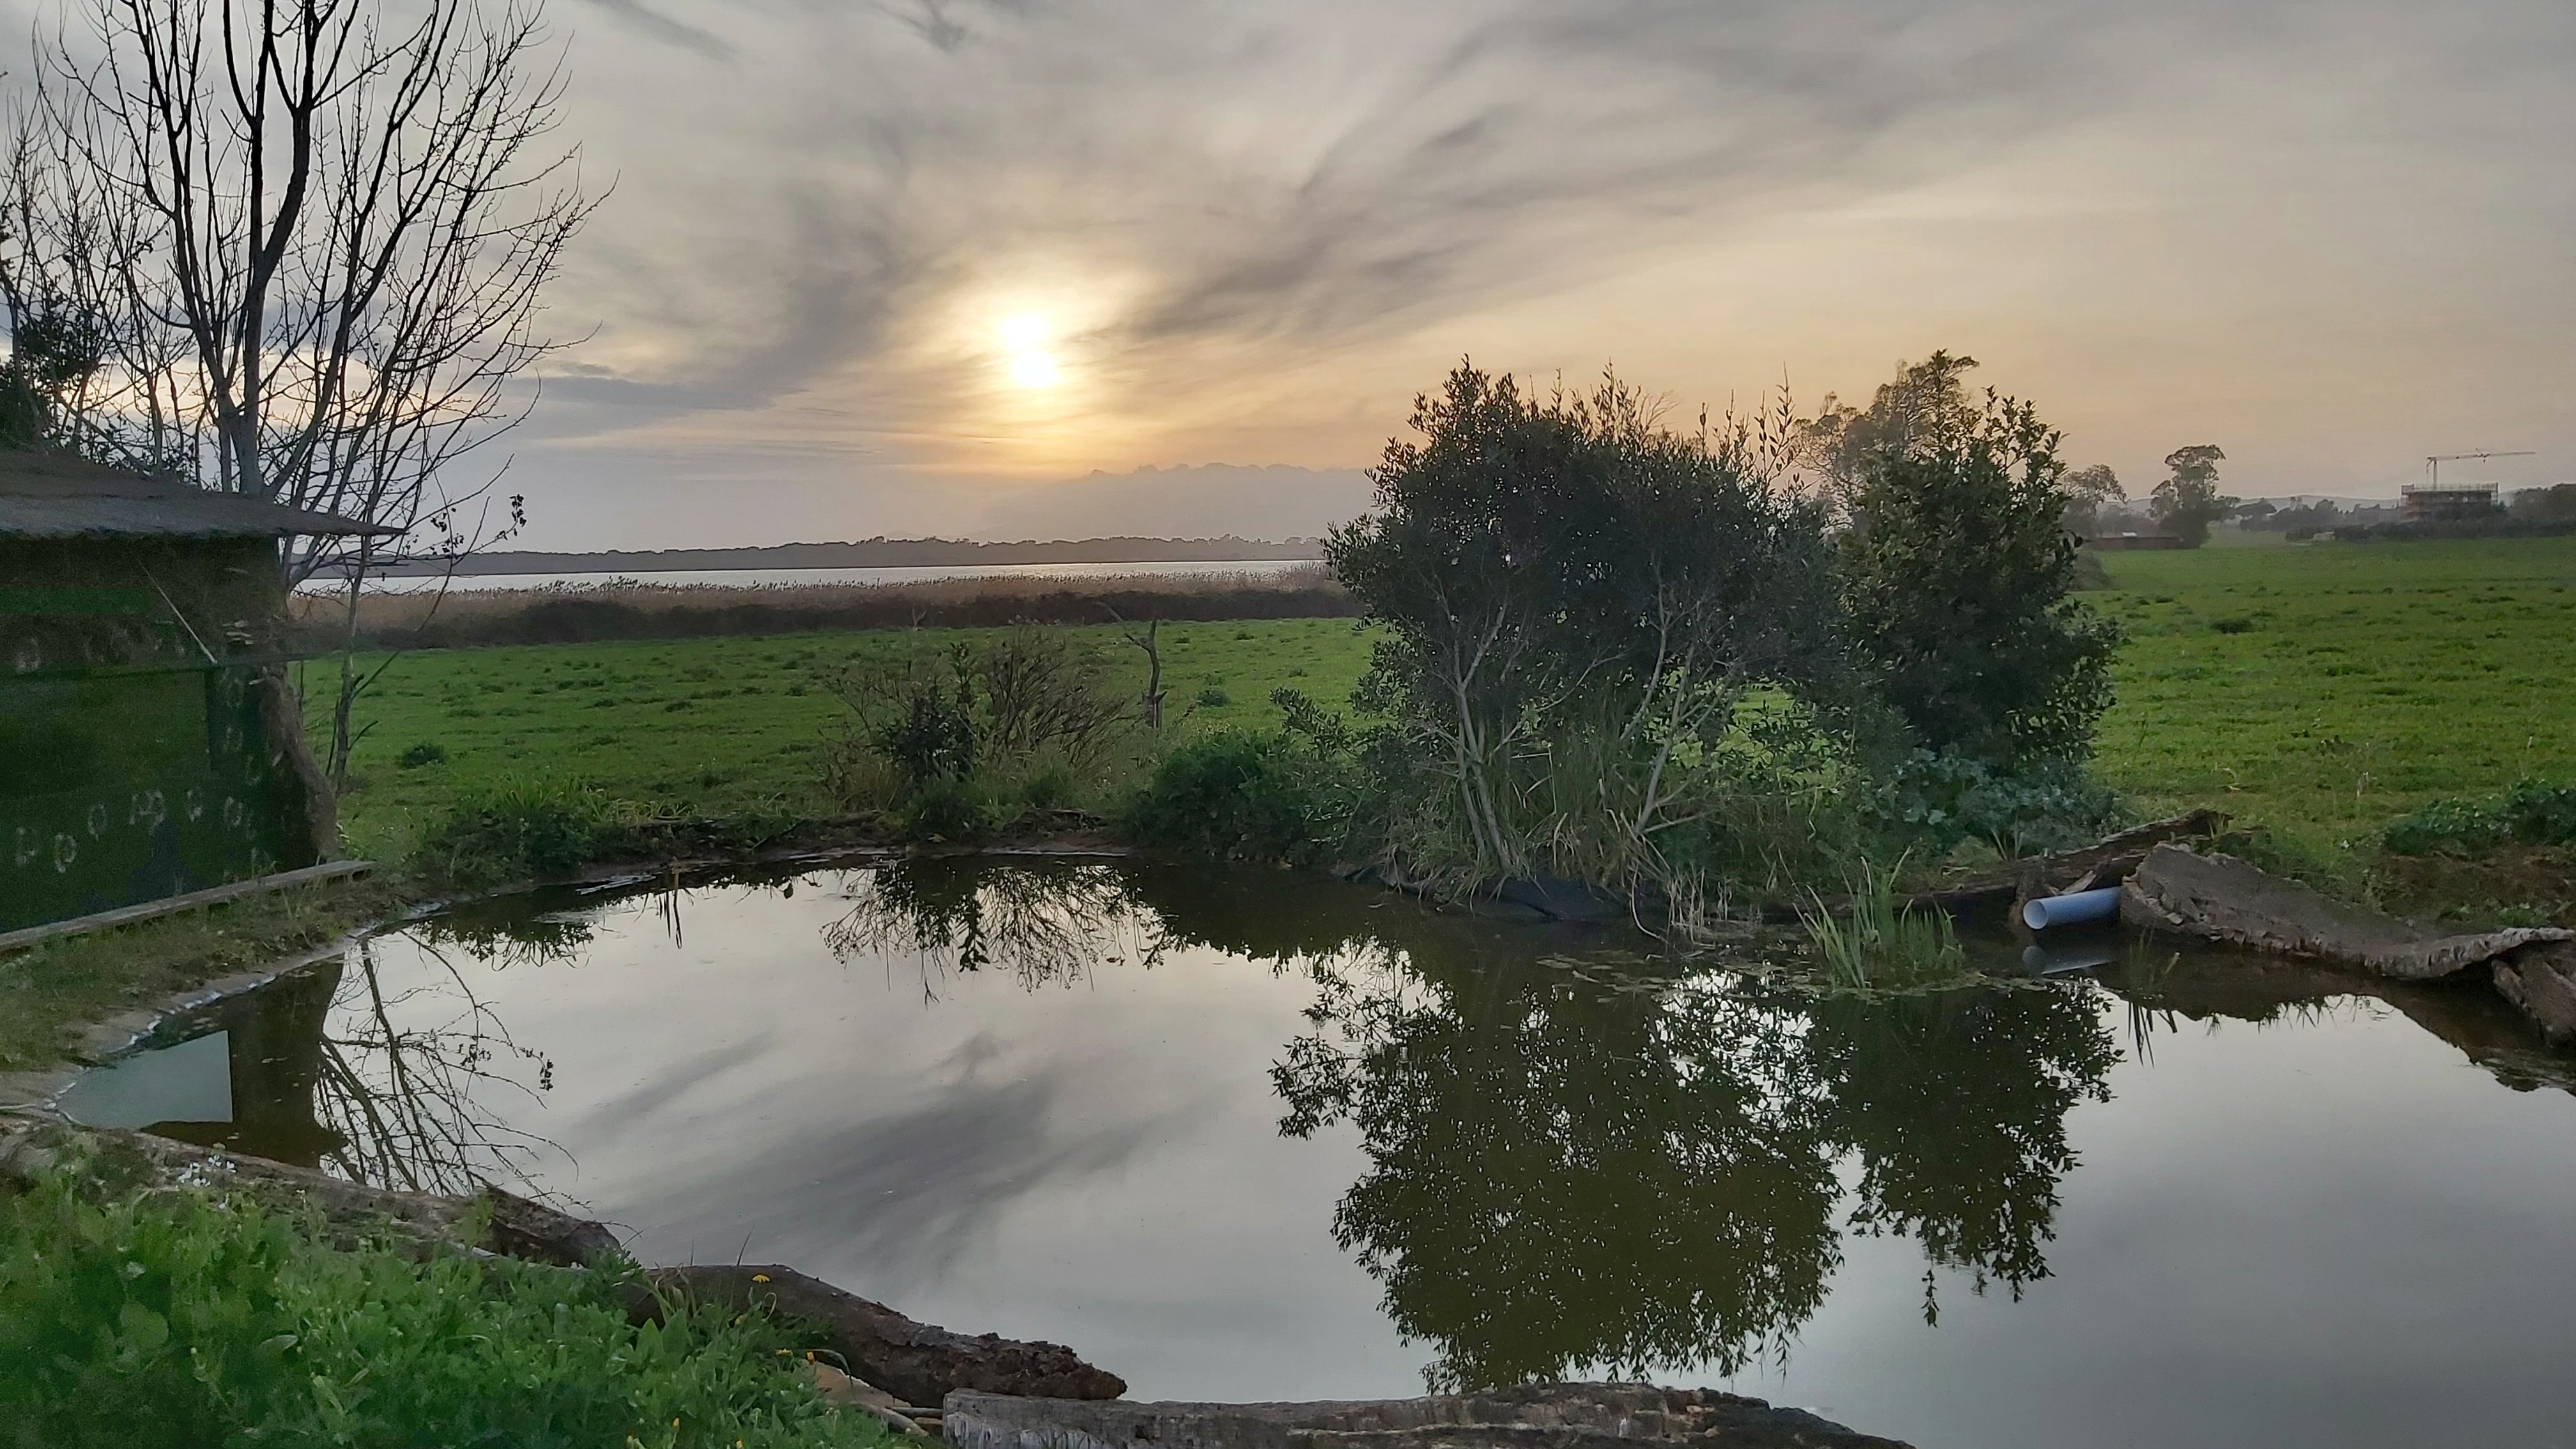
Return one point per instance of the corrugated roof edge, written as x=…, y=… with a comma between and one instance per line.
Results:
x=46, y=494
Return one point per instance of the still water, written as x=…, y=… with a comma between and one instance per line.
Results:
x=1249, y=569
x=1242, y=1135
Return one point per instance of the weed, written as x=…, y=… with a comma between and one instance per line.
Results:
x=182, y=1319
x=1883, y=943
x=424, y=753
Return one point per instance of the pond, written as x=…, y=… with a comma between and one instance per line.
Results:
x=1250, y=1135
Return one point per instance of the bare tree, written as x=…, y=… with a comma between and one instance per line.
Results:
x=313, y=234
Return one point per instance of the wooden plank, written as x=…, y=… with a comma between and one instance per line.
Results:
x=172, y=905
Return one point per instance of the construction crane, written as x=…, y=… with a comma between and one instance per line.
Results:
x=2433, y=464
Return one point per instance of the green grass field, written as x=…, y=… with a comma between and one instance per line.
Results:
x=2323, y=689
x=2319, y=689
x=719, y=726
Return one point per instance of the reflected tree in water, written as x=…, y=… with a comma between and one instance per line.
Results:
x=409, y=1072
x=1044, y=922
x=1571, y=1171
x=1953, y=1106
x=1564, y=1176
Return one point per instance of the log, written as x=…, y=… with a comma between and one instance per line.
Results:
x=2220, y=898
x=917, y=1362
x=1543, y=1416
x=2104, y=863
x=2541, y=981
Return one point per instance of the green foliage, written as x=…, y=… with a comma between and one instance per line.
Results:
x=937, y=740
x=1286, y=795
x=2187, y=502
x=1574, y=602
x=1935, y=801
x=1882, y=943
x=1215, y=697
x=189, y=1320
x=2531, y=813
x=513, y=830
x=1958, y=576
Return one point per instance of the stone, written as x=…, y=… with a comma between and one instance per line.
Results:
x=1544, y=1416
x=919, y=1362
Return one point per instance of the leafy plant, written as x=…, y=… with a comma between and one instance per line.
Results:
x=512, y=830
x=2531, y=813
x=424, y=753
x=1882, y=942
x=1235, y=795
x=186, y=1319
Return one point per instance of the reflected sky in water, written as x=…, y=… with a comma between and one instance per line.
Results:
x=1248, y=1136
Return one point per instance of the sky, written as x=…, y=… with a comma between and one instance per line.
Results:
x=929, y=266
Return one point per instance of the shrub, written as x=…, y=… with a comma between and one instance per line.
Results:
x=1935, y=801
x=1215, y=697
x=185, y=1319
x=514, y=830
x=424, y=753
x=1235, y=795
x=1958, y=576
x=2531, y=813
x=963, y=723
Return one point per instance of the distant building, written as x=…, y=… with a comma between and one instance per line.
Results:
x=148, y=743
x=2447, y=502
x=2118, y=542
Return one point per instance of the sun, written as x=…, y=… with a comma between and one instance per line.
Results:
x=1024, y=337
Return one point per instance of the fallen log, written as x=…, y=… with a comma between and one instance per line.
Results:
x=2220, y=898
x=1539, y=1416
x=917, y=1362
x=2541, y=980
x=2105, y=862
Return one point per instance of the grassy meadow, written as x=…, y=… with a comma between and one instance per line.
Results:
x=2318, y=689
x=724, y=726
x=2323, y=689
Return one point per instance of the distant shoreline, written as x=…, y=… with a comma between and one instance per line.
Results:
x=875, y=553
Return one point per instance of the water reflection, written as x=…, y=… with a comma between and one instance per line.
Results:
x=1045, y=922
x=406, y=1085
x=1568, y=1155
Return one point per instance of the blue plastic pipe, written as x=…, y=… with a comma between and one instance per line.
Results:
x=2043, y=912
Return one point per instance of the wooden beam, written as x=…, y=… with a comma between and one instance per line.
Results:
x=172, y=905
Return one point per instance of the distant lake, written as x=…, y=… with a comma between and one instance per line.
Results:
x=764, y=578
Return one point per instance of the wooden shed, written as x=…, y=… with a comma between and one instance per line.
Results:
x=149, y=746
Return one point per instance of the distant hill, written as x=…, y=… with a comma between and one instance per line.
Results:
x=879, y=553
x=1274, y=501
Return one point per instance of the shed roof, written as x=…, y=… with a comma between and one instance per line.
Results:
x=46, y=494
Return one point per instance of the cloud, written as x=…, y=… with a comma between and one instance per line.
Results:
x=1259, y=225
x=649, y=21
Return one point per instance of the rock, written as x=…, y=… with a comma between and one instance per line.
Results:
x=1546, y=1416
x=920, y=1363
x=2221, y=898
x=2541, y=980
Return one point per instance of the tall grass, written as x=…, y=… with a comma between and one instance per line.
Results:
x=1882, y=943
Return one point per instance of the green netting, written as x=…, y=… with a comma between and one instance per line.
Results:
x=133, y=760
